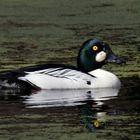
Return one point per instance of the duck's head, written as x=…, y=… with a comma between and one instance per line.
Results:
x=94, y=53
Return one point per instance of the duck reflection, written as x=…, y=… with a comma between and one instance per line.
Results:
x=90, y=103
x=12, y=95
x=93, y=116
x=56, y=98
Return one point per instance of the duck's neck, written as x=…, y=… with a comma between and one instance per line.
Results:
x=86, y=65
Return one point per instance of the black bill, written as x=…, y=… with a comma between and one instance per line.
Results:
x=112, y=58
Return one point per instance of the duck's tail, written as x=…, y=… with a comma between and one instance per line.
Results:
x=9, y=80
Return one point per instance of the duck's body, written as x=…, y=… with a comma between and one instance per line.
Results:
x=87, y=75
x=59, y=78
x=66, y=78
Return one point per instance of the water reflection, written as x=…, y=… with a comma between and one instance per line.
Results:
x=90, y=103
x=93, y=116
x=55, y=98
x=106, y=111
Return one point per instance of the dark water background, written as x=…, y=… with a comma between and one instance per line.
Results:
x=52, y=31
x=72, y=114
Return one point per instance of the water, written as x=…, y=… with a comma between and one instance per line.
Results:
x=72, y=114
x=41, y=33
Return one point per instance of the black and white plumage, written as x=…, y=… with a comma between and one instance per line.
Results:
x=58, y=77
x=92, y=56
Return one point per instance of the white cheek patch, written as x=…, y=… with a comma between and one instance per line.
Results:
x=101, y=56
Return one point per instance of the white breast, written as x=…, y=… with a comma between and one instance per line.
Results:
x=105, y=79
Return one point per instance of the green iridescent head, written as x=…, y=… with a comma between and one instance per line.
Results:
x=93, y=54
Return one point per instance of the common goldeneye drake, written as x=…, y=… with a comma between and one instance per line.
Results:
x=94, y=53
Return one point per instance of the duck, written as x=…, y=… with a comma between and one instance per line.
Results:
x=93, y=54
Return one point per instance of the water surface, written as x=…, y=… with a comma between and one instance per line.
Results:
x=72, y=114
x=52, y=31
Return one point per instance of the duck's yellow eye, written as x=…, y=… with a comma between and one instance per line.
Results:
x=95, y=48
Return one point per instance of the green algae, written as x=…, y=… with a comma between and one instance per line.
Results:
x=51, y=31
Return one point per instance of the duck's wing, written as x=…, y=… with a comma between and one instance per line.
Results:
x=57, y=78
x=55, y=70
x=44, y=75
x=62, y=72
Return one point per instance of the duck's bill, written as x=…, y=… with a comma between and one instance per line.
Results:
x=112, y=58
